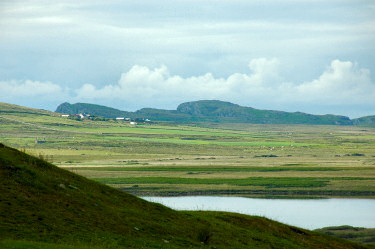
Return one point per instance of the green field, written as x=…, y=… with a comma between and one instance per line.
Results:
x=273, y=161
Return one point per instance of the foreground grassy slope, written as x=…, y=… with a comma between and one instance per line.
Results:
x=42, y=203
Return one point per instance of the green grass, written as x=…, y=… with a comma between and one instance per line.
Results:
x=205, y=142
x=208, y=169
x=255, y=181
x=14, y=244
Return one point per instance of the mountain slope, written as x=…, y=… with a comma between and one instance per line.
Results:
x=209, y=111
x=368, y=120
x=228, y=112
x=40, y=202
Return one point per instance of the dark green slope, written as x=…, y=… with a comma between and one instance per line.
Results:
x=163, y=115
x=42, y=203
x=228, y=112
x=209, y=111
x=365, y=121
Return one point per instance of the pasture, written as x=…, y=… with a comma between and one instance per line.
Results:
x=273, y=161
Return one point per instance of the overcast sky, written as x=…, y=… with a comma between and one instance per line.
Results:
x=293, y=55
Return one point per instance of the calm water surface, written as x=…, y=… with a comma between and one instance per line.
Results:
x=309, y=214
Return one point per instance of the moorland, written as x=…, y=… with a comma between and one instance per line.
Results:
x=201, y=158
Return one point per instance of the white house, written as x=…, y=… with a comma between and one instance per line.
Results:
x=133, y=123
x=65, y=115
x=119, y=118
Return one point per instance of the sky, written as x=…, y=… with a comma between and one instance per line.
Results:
x=311, y=56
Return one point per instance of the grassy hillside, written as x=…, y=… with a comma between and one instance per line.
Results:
x=209, y=111
x=365, y=121
x=42, y=203
x=357, y=234
x=228, y=112
x=10, y=109
x=163, y=115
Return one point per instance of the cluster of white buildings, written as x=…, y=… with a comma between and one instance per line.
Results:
x=80, y=115
x=132, y=122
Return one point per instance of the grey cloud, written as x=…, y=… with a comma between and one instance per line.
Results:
x=73, y=43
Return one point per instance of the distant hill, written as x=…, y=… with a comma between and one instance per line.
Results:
x=209, y=111
x=92, y=109
x=228, y=112
x=365, y=121
x=42, y=205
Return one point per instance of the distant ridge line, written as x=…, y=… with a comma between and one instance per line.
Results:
x=215, y=111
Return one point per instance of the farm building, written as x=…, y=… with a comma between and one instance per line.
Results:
x=82, y=116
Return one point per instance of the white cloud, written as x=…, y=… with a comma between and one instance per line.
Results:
x=342, y=86
x=35, y=94
x=28, y=88
x=342, y=83
x=142, y=84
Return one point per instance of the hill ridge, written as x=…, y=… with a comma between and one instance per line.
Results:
x=216, y=111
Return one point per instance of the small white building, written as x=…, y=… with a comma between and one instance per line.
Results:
x=65, y=115
x=119, y=118
x=133, y=123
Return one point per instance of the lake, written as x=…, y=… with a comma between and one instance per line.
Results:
x=309, y=214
